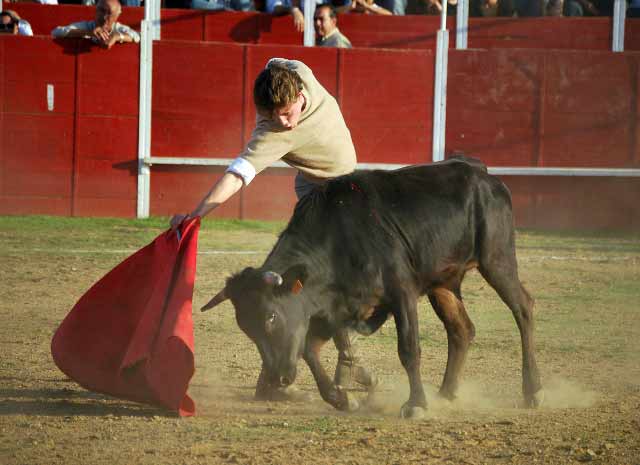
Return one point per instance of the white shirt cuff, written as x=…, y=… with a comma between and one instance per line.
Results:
x=242, y=168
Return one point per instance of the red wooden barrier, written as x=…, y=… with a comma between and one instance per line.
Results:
x=363, y=30
x=36, y=152
x=509, y=107
x=544, y=108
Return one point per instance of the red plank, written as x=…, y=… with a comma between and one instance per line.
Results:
x=109, y=81
x=32, y=63
x=231, y=26
x=107, y=158
x=542, y=33
x=589, y=82
x=99, y=206
x=270, y=196
x=37, y=155
x=392, y=31
x=182, y=24
x=387, y=103
x=500, y=80
x=522, y=190
x=591, y=203
x=197, y=100
x=499, y=138
x=177, y=189
x=27, y=205
x=278, y=30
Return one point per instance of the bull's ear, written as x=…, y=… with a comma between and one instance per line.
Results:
x=294, y=278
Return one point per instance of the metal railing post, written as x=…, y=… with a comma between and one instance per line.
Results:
x=309, y=32
x=440, y=88
x=619, y=13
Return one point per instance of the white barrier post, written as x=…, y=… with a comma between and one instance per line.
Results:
x=309, y=32
x=619, y=13
x=144, y=107
x=462, y=24
x=440, y=88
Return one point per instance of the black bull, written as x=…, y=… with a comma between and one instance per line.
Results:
x=366, y=246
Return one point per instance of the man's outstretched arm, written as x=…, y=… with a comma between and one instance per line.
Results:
x=227, y=186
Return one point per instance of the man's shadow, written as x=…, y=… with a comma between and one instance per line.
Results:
x=71, y=402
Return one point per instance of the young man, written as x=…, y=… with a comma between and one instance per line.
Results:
x=298, y=122
x=105, y=30
x=325, y=22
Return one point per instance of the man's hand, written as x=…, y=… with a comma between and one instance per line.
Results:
x=177, y=220
x=115, y=37
x=101, y=35
x=298, y=19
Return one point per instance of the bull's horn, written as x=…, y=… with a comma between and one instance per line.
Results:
x=219, y=298
x=272, y=278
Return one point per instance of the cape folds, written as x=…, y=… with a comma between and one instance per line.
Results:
x=131, y=334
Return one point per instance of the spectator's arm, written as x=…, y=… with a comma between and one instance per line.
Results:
x=128, y=34
x=298, y=17
x=24, y=28
x=75, y=30
x=589, y=7
x=372, y=8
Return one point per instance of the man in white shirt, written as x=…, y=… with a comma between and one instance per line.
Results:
x=105, y=30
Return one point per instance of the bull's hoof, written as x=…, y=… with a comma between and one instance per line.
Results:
x=535, y=400
x=348, y=402
x=412, y=412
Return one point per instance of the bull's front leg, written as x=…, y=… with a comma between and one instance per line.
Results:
x=406, y=319
x=331, y=394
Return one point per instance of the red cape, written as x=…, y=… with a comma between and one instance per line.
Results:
x=131, y=334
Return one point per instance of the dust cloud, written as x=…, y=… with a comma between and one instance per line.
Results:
x=559, y=393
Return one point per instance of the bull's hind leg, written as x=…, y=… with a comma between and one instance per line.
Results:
x=460, y=333
x=499, y=267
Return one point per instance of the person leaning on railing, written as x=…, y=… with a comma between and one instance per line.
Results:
x=105, y=30
x=11, y=23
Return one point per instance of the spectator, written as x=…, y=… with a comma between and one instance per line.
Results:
x=105, y=30
x=367, y=7
x=235, y=5
x=11, y=23
x=122, y=2
x=283, y=7
x=491, y=8
x=588, y=7
x=325, y=22
x=431, y=7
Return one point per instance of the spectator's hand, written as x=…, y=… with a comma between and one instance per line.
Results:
x=101, y=35
x=298, y=19
x=591, y=8
x=115, y=37
x=176, y=220
x=433, y=6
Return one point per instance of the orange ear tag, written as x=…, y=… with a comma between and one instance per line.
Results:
x=297, y=287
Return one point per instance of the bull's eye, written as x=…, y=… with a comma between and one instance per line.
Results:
x=270, y=322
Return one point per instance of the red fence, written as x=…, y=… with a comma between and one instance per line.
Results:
x=363, y=30
x=509, y=107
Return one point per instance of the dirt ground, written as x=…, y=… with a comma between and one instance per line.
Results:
x=587, y=290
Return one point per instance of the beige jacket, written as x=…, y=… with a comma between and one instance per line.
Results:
x=320, y=147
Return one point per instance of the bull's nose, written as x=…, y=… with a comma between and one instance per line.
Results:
x=285, y=381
